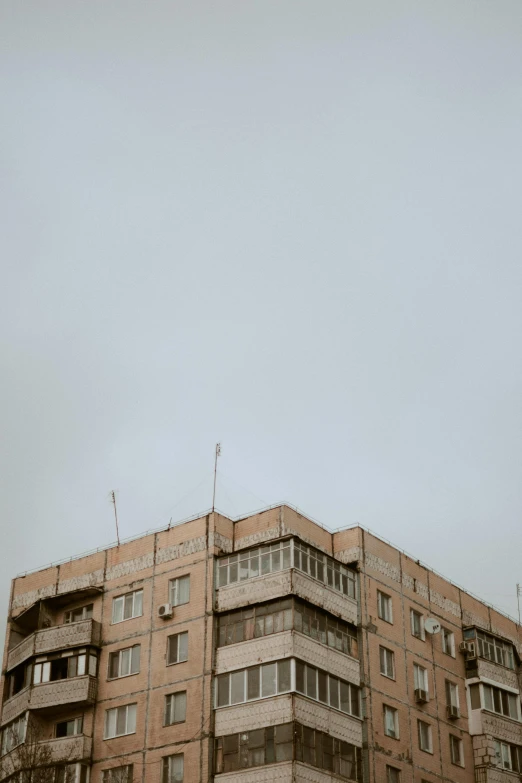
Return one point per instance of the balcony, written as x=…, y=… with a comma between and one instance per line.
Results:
x=282, y=583
x=500, y=727
x=288, y=644
x=59, y=637
x=286, y=772
x=64, y=750
x=286, y=708
x=69, y=749
x=80, y=691
x=491, y=671
x=494, y=775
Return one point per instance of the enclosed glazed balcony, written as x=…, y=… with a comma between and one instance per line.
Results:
x=282, y=568
x=80, y=691
x=59, y=637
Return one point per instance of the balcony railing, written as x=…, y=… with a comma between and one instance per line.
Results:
x=62, y=750
x=80, y=691
x=282, y=583
x=494, y=775
x=491, y=671
x=69, y=749
x=58, y=637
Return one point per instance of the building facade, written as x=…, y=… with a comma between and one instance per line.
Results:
x=261, y=650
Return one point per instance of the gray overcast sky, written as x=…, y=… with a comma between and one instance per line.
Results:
x=290, y=226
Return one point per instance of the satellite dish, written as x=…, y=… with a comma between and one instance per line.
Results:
x=431, y=625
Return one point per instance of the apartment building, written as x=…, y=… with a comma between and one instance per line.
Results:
x=261, y=650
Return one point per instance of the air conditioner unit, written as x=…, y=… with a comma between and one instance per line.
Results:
x=452, y=711
x=421, y=696
x=467, y=648
x=165, y=611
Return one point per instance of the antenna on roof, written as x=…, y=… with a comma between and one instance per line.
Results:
x=519, y=593
x=218, y=454
x=113, y=501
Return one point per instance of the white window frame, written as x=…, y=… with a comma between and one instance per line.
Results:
x=130, y=720
x=13, y=734
x=456, y=742
x=181, y=641
x=391, y=715
x=387, y=655
x=78, y=726
x=385, y=607
x=177, y=586
x=86, y=614
x=429, y=736
x=448, y=642
x=417, y=617
x=126, y=659
x=420, y=678
x=136, y=607
x=171, y=699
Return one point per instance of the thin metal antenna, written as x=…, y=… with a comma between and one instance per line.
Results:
x=113, y=501
x=519, y=592
x=218, y=454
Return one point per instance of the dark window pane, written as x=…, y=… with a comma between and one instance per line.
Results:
x=223, y=686
x=253, y=683
x=283, y=673
x=311, y=682
x=323, y=687
x=299, y=677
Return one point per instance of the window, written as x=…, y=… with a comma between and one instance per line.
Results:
x=285, y=615
x=384, y=607
x=425, y=736
x=124, y=662
x=417, y=625
x=173, y=769
x=64, y=666
x=457, y=756
x=387, y=662
x=329, y=690
x=175, y=708
x=254, y=683
x=286, y=742
x=474, y=693
x=393, y=775
x=508, y=756
x=82, y=613
x=69, y=728
x=325, y=569
x=68, y=773
x=120, y=721
x=177, y=648
x=179, y=591
x=495, y=649
x=391, y=721
x=123, y=774
x=124, y=607
x=254, y=748
x=13, y=734
x=448, y=642
x=452, y=694
x=254, y=562
x=420, y=678
x=500, y=701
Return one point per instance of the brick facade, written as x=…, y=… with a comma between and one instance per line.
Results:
x=40, y=635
